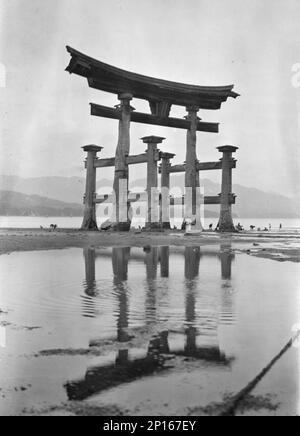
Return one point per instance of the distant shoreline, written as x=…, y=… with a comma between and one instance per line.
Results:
x=74, y=222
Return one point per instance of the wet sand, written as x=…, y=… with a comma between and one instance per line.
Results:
x=210, y=388
x=277, y=246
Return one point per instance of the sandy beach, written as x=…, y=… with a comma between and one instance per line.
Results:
x=277, y=246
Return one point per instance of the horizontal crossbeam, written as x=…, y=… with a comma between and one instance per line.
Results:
x=140, y=117
x=210, y=199
x=131, y=160
x=200, y=166
x=133, y=197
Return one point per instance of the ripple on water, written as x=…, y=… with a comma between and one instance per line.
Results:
x=207, y=304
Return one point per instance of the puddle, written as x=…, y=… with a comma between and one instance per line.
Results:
x=159, y=330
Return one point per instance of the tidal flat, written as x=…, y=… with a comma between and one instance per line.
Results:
x=156, y=324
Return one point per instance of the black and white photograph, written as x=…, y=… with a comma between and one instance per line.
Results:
x=149, y=210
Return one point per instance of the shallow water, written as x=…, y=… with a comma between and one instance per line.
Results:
x=166, y=330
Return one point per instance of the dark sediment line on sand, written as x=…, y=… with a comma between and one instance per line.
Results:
x=235, y=402
x=284, y=254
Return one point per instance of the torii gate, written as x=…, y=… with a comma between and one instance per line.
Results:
x=161, y=95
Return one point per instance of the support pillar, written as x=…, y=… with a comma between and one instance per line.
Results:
x=90, y=270
x=152, y=181
x=120, y=259
x=192, y=257
x=164, y=261
x=151, y=261
x=198, y=179
x=226, y=221
x=165, y=190
x=121, y=166
x=226, y=256
x=191, y=169
x=90, y=285
x=89, y=219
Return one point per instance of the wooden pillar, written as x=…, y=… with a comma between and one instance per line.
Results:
x=90, y=270
x=151, y=261
x=152, y=180
x=120, y=259
x=226, y=256
x=121, y=167
x=226, y=221
x=198, y=179
x=165, y=190
x=164, y=261
x=89, y=309
x=191, y=168
x=192, y=257
x=89, y=219
x=192, y=263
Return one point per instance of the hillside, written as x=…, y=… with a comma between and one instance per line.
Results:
x=251, y=203
x=15, y=204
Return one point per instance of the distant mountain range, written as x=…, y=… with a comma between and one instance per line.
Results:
x=17, y=204
x=62, y=196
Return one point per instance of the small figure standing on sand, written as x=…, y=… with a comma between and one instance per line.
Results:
x=280, y=226
x=210, y=226
x=270, y=227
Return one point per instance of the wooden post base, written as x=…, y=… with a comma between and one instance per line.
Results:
x=153, y=227
x=89, y=223
x=121, y=227
x=226, y=223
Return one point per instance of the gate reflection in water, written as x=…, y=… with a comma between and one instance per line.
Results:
x=197, y=325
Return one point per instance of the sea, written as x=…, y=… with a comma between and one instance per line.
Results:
x=32, y=222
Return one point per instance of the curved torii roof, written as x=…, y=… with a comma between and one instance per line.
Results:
x=115, y=80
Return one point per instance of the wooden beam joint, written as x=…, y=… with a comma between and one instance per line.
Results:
x=140, y=117
x=142, y=196
x=130, y=160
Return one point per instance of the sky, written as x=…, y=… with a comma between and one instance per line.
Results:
x=253, y=44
